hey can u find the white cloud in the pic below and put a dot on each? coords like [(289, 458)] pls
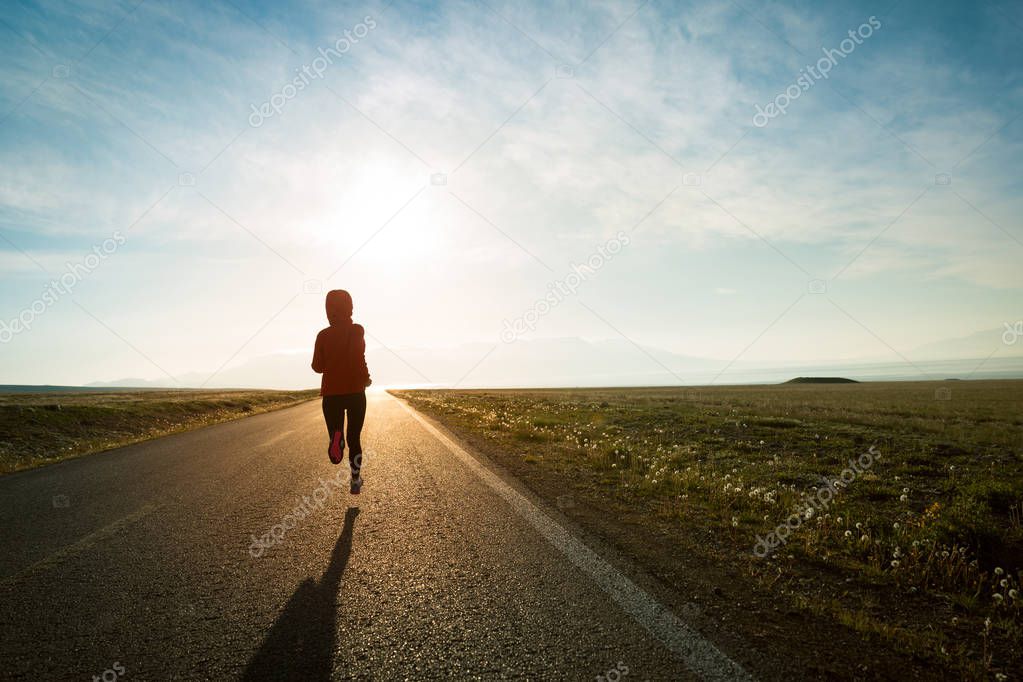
[(557, 174)]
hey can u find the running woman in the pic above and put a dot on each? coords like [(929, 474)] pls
[(340, 356)]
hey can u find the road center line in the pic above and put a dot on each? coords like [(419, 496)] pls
[(699, 654), (85, 543), (278, 438)]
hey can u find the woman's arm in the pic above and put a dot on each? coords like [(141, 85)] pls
[(360, 356), (319, 361)]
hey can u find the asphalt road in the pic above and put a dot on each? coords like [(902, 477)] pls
[(140, 563)]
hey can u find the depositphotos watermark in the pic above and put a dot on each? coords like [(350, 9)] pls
[(815, 503), (1012, 333), (562, 288), (314, 69), (111, 674), (614, 674), (809, 75), (307, 504), (61, 286)]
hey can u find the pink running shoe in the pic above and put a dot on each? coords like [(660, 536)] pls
[(336, 451)]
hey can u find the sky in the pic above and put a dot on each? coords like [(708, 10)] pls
[(181, 182)]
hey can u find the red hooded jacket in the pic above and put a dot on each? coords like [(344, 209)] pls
[(340, 351)]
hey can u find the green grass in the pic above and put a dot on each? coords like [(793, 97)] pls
[(42, 428), (930, 530)]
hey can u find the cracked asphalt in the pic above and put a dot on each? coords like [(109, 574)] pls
[(143, 558)]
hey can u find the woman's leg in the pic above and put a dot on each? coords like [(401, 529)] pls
[(333, 414), (356, 418)]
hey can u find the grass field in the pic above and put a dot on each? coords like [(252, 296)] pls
[(41, 428), (895, 508)]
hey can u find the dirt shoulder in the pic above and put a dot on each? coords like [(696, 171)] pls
[(37, 429), (810, 611)]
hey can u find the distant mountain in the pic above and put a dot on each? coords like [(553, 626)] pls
[(573, 361), (130, 383), (45, 388), (544, 362), (978, 345), (821, 380)]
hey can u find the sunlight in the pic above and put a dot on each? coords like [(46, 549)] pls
[(369, 202)]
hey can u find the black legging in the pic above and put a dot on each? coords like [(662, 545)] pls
[(334, 408)]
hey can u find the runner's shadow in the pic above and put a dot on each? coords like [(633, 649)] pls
[(300, 644)]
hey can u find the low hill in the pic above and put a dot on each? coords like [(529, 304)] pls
[(821, 380)]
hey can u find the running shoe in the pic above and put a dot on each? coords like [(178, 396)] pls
[(336, 451)]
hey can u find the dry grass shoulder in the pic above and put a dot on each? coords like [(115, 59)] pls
[(42, 428), (902, 501)]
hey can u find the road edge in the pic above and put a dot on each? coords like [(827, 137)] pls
[(129, 443), (697, 652)]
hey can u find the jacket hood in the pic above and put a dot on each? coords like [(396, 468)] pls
[(339, 307)]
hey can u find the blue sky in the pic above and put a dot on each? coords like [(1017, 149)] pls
[(895, 181)]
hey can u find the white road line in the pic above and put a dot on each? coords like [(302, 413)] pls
[(699, 655), (85, 543), (278, 438)]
